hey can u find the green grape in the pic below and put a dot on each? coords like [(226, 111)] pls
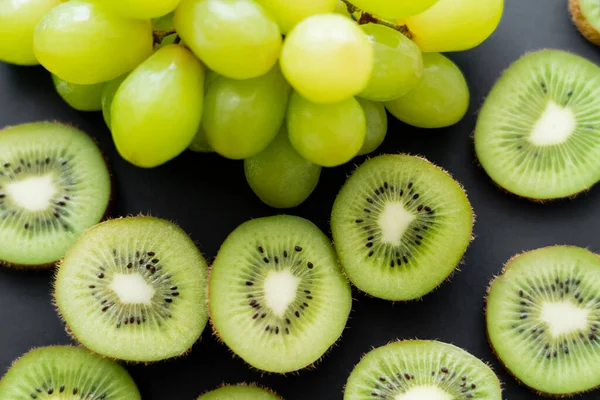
[(395, 9), (398, 64), (157, 109), (327, 58), (326, 134), (80, 97), (200, 143), (279, 176), (341, 8), (288, 13), (163, 23), (440, 99), (84, 43), (18, 20), (241, 117), (377, 124), (142, 9), (236, 38), (455, 25), (108, 94)]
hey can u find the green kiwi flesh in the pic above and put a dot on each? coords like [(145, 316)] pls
[(66, 373), (538, 132), (421, 370), (54, 184), (586, 16), (240, 392), (543, 319), (400, 226), (134, 289), (277, 295)]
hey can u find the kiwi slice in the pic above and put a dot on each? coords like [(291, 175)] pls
[(543, 319), (54, 183), (421, 370), (586, 16), (277, 295), (240, 392), (134, 289), (400, 225), (538, 132), (66, 373)]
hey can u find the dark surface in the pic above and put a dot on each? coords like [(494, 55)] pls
[(210, 205)]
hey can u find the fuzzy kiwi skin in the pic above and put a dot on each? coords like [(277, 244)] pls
[(108, 212), (582, 24), (456, 270), (505, 267), (252, 385)]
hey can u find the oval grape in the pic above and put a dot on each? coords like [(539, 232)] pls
[(18, 20), (326, 134), (157, 109), (394, 9), (440, 99), (235, 38), (377, 124), (288, 13), (80, 97), (398, 64), (279, 176), (108, 94), (142, 9), (84, 43), (455, 25), (327, 58), (241, 117)]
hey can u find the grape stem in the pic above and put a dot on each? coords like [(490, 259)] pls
[(159, 36), (367, 18)]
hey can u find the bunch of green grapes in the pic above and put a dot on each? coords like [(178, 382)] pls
[(288, 86)]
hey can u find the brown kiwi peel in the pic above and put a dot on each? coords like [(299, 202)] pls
[(582, 24), (246, 384)]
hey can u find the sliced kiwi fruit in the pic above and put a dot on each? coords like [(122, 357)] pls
[(277, 295), (538, 132), (421, 370), (66, 373), (543, 319), (240, 392), (400, 225), (134, 289), (54, 183), (586, 16)]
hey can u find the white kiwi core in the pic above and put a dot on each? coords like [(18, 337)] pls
[(280, 290), (33, 193), (554, 126), (564, 317), (424, 393), (132, 289), (393, 222)]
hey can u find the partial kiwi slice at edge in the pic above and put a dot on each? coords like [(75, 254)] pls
[(277, 295), (134, 289), (54, 184), (586, 16), (400, 225), (543, 319), (538, 132), (240, 392), (421, 370), (66, 372)]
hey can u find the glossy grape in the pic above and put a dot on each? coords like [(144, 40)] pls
[(108, 94), (440, 99), (398, 64), (18, 19), (235, 38), (84, 43), (142, 9), (377, 124), (280, 176), (241, 117), (80, 97), (200, 143), (326, 134), (157, 109), (288, 13), (455, 25), (394, 9), (327, 58)]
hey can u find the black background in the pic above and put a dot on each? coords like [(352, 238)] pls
[(208, 196)]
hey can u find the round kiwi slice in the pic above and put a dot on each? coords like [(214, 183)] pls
[(400, 225), (421, 370), (54, 183), (66, 373), (538, 132), (543, 319), (134, 289), (586, 16), (277, 295), (240, 392)]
